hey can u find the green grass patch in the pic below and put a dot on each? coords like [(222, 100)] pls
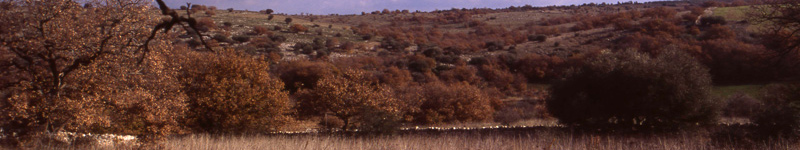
[(732, 13), (726, 91)]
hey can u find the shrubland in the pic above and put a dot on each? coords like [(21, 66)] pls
[(633, 67)]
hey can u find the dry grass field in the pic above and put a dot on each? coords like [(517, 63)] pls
[(458, 141)]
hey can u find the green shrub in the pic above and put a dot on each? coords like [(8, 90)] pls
[(780, 115), (241, 38), (223, 38), (712, 20), (740, 105), (632, 90), (537, 38)]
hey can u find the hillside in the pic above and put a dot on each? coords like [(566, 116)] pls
[(697, 74)]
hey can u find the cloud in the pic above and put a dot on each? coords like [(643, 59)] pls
[(358, 6)]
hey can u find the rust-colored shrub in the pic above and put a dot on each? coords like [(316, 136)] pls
[(731, 61), (233, 94), (205, 24), (496, 76), (455, 102), (717, 32), (211, 12), (352, 99), (261, 30), (660, 13), (296, 28), (419, 63), (659, 28), (396, 77), (540, 68), (266, 43), (461, 73), (197, 7)]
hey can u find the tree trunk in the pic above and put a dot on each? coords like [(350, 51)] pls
[(346, 123)]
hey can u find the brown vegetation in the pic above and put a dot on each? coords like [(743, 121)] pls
[(72, 70), (631, 90), (351, 98), (298, 28), (232, 94), (108, 68)]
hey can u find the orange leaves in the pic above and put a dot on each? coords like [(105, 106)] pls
[(231, 93), (75, 59), (347, 96), (261, 30), (298, 28), (453, 102)]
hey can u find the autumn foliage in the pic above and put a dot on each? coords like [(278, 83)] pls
[(231, 93), (455, 102), (111, 67), (74, 70), (351, 98)]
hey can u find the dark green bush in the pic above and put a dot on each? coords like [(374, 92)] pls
[(740, 105), (537, 38), (241, 38), (712, 20), (222, 38), (633, 90), (780, 115)]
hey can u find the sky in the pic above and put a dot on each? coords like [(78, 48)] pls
[(357, 6)]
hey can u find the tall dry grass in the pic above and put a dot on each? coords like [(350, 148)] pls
[(459, 141)]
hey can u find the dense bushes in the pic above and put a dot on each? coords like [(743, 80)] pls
[(233, 94), (303, 74), (741, 105), (712, 20), (537, 38), (456, 102), (629, 89), (734, 62), (351, 98), (780, 115), (776, 116)]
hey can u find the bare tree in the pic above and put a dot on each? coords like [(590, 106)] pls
[(781, 20)]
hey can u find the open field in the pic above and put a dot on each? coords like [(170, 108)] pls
[(733, 13), (532, 138), (728, 90)]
